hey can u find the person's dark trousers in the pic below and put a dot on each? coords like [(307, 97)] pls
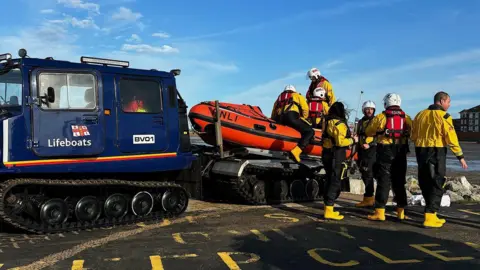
[(366, 160), (333, 161), (390, 171), (431, 175), (292, 119)]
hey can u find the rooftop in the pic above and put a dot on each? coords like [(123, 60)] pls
[(473, 109)]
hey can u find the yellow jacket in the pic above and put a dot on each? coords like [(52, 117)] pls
[(433, 127), (361, 128), (299, 104), (377, 125), (339, 132)]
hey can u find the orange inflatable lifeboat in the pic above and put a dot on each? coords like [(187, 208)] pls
[(247, 126)]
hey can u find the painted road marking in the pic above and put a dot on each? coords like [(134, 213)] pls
[(436, 253), (112, 259), (68, 253), (77, 265), (386, 259), (157, 264), (260, 236), (316, 256), (179, 239), (232, 264), (287, 236), (282, 217), (469, 212), (477, 246), (343, 232)]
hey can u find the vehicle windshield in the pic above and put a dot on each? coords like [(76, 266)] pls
[(11, 88)]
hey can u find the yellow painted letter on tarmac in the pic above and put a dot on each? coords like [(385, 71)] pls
[(469, 212), (282, 217), (314, 254), (436, 253), (232, 264), (156, 261), (77, 265), (179, 239), (386, 259), (261, 236)]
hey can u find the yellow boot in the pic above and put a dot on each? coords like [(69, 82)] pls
[(431, 221), (401, 214), (295, 152), (439, 220), (330, 214), (367, 201), (378, 215)]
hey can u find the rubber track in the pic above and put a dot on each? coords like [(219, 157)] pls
[(244, 195), (130, 218)]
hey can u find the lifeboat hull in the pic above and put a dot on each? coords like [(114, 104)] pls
[(247, 126)]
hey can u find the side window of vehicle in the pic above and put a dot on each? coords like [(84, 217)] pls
[(73, 91), (140, 96)]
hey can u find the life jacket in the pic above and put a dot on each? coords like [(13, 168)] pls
[(325, 134), (285, 102), (284, 99), (363, 127), (315, 108), (134, 106), (395, 126), (313, 86)]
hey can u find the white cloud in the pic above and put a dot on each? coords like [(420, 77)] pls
[(125, 14), (161, 35), (81, 5), (134, 38), (145, 48), (49, 39), (87, 23), (47, 11)]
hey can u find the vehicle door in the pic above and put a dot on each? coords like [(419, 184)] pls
[(67, 115), (140, 115)]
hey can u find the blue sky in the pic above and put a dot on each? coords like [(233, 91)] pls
[(241, 52)]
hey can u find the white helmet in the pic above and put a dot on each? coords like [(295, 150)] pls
[(368, 104), (319, 92), (290, 88), (314, 72), (392, 99)]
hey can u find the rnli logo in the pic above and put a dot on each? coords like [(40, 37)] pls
[(80, 131)]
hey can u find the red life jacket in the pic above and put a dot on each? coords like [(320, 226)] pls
[(284, 99), (395, 126), (315, 108)]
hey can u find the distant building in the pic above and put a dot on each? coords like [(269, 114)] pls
[(470, 120)]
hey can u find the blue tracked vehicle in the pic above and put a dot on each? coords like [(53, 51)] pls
[(90, 144)]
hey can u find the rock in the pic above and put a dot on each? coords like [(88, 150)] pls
[(357, 186), (412, 186), (409, 195), (474, 198), (465, 183), (454, 197), (460, 186)]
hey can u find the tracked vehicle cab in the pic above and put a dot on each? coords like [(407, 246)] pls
[(86, 136)]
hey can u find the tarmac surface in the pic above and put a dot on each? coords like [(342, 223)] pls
[(288, 236)]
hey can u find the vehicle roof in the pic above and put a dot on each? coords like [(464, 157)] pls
[(61, 64)]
